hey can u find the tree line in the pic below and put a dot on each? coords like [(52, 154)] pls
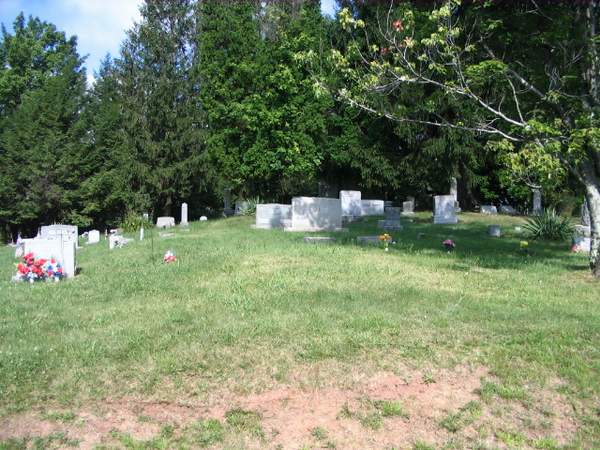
[(209, 95)]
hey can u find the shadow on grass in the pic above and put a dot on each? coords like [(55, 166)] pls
[(474, 247)]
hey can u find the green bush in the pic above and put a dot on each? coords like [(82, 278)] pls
[(249, 208), (549, 226), (133, 222)]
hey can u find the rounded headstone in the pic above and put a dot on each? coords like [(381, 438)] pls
[(203, 219)]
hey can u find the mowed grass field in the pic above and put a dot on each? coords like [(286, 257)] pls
[(255, 339)]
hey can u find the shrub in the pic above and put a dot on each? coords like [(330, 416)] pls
[(133, 222), (249, 207), (550, 226)]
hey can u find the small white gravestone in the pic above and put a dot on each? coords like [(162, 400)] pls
[(203, 219), (489, 210), (93, 237), (63, 251), (165, 222), (272, 215), (142, 233), (351, 203), (444, 210), (146, 216), (184, 214), (408, 208), (495, 230), (116, 240), (372, 207)]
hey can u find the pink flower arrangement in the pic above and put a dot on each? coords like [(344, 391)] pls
[(32, 269), (169, 257), (449, 244)]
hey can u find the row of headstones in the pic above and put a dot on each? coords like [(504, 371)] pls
[(328, 214)]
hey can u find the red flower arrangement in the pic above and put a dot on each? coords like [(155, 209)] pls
[(32, 269)]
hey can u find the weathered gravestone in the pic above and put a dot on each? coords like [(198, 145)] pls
[(351, 203), (315, 214), (63, 251), (444, 210), (489, 210), (93, 236), (495, 230), (454, 193), (184, 215), (408, 207), (165, 222), (369, 240), (509, 210), (393, 213), (585, 214), (537, 202), (272, 215), (319, 239)]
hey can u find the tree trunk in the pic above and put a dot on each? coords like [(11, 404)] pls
[(593, 199)]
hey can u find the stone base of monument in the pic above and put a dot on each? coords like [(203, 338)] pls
[(389, 225), (445, 220), (319, 239), (368, 240)]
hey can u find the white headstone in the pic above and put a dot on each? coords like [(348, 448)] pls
[(63, 251), (165, 222), (93, 237), (272, 215), (184, 214), (489, 210), (372, 207), (351, 203), (142, 233), (203, 219), (315, 214), (444, 210), (537, 202)]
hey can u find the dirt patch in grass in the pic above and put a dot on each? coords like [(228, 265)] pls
[(379, 411)]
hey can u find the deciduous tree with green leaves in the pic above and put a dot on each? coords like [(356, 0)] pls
[(524, 75)]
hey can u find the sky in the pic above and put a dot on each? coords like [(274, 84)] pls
[(99, 25)]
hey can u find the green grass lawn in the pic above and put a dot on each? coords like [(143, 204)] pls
[(244, 311)]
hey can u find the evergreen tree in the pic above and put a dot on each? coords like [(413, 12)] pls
[(42, 92), (162, 122)]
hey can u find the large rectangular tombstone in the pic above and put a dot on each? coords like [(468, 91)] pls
[(316, 214), (272, 215), (372, 207), (351, 203), (63, 251), (444, 210)]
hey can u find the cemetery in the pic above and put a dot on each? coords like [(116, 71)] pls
[(296, 225)]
